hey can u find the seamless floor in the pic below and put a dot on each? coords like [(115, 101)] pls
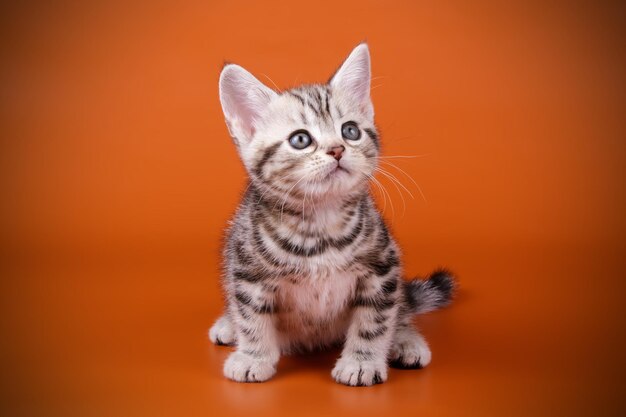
[(130, 339)]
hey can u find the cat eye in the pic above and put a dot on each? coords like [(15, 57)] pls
[(350, 131), (300, 139)]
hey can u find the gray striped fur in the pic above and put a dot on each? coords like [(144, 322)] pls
[(308, 261)]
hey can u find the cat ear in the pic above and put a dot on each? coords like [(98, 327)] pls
[(243, 100), (354, 75)]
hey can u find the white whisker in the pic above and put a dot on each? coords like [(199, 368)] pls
[(393, 178), (389, 176), (380, 189), (404, 156), (287, 195), (272, 81), (385, 196), (411, 178), (283, 177)]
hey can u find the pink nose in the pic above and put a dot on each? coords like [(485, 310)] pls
[(336, 152)]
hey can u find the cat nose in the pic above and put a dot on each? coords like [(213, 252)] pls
[(336, 151)]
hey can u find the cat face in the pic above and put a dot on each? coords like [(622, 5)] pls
[(315, 141)]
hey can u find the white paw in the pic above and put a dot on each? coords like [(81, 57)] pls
[(245, 368), (222, 332), (410, 354), (349, 371)]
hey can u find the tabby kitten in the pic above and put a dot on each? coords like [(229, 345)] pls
[(308, 260)]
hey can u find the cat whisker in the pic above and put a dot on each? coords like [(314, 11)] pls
[(247, 187), (295, 80), (394, 179), (380, 189), (314, 205), (282, 208), (395, 182), (397, 139), (404, 156), (377, 157), (385, 195), (382, 192), (281, 178), (304, 200), (368, 178), (364, 82), (411, 178), (272, 81)]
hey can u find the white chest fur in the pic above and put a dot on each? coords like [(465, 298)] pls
[(320, 296), (313, 310)]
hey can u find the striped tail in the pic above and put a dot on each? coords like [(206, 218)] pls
[(436, 291)]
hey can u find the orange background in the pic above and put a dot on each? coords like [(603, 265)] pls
[(117, 177)]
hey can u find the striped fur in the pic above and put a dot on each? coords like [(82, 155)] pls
[(309, 262)]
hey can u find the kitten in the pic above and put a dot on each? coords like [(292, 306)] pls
[(308, 261)]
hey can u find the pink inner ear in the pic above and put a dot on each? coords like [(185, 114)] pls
[(236, 103), (243, 100), (354, 75)]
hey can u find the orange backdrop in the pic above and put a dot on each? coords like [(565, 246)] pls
[(117, 177)]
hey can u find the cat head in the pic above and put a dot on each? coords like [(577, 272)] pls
[(315, 140)]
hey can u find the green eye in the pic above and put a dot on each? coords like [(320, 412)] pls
[(350, 131), (300, 139)]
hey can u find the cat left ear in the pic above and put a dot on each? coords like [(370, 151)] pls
[(354, 75), (243, 99)]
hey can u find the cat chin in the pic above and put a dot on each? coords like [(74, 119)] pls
[(338, 188)]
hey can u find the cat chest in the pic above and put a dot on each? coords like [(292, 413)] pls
[(318, 297)]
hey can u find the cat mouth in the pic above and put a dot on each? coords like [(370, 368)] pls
[(337, 171)]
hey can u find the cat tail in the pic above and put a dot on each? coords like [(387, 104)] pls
[(436, 291)]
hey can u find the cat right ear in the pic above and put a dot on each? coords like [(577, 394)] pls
[(243, 99), (354, 78)]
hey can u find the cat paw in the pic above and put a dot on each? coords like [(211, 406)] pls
[(410, 355), (349, 371), (245, 368), (222, 332)]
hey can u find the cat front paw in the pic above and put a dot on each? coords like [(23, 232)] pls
[(222, 332), (241, 367), (412, 354), (356, 373)]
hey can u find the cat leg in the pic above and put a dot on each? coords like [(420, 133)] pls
[(409, 349), (258, 351), (363, 361), (223, 331)]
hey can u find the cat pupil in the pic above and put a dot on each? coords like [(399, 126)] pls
[(350, 131), (300, 140)]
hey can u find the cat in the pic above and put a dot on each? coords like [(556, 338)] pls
[(308, 260)]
